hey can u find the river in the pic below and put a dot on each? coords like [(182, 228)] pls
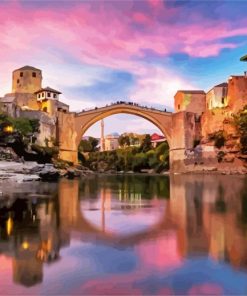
[(127, 235)]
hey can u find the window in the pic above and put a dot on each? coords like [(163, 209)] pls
[(43, 94), (223, 101), (48, 94), (21, 74), (34, 74), (178, 106), (38, 95), (54, 96), (18, 80)]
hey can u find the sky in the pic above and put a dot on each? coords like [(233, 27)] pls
[(98, 52)]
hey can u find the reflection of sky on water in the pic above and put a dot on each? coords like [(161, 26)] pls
[(124, 222), (138, 251)]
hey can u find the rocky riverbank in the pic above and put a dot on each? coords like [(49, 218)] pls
[(32, 171)]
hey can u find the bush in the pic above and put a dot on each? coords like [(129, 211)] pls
[(220, 156), (241, 124), (218, 138)]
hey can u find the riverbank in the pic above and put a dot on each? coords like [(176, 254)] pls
[(32, 171)]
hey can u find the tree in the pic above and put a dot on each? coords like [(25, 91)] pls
[(89, 145), (124, 140), (94, 143), (146, 144), (22, 125)]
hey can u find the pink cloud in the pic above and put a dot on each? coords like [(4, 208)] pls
[(105, 35)]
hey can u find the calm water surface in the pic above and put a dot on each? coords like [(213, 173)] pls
[(125, 235)]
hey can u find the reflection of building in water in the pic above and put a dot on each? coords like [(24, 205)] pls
[(186, 208), (207, 210), (128, 192), (27, 271), (30, 238)]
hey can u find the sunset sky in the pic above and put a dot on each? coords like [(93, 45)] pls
[(98, 52)]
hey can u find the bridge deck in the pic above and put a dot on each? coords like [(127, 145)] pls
[(123, 105)]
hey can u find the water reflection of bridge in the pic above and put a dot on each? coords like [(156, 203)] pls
[(207, 214), (72, 218)]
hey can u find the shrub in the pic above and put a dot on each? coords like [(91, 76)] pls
[(241, 123), (218, 138), (220, 156)]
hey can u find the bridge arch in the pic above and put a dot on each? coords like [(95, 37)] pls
[(162, 120), (72, 126)]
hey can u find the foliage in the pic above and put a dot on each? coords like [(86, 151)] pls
[(124, 140), (218, 138), (24, 126), (220, 156), (45, 154), (130, 158), (146, 144), (241, 124), (89, 145)]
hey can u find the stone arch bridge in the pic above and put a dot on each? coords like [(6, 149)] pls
[(179, 128)]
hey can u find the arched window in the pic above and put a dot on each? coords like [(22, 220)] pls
[(223, 101)]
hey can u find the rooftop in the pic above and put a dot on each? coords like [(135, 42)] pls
[(48, 89), (224, 84), (192, 91), (27, 68)]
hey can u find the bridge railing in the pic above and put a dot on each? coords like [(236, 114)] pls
[(125, 103)]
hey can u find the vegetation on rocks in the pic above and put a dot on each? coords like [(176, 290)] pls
[(241, 124), (218, 138)]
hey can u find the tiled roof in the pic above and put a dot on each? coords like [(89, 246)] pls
[(27, 68), (192, 91), (48, 89), (61, 104), (8, 99), (224, 84)]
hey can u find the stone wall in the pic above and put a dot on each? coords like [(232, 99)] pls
[(24, 82), (218, 119), (67, 137), (47, 126), (190, 101), (237, 93), (184, 132)]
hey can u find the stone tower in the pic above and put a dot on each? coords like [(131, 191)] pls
[(26, 80), (102, 138)]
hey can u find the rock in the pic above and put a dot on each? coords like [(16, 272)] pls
[(29, 178), (49, 173), (71, 174)]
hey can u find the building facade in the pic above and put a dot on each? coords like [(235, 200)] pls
[(29, 99)]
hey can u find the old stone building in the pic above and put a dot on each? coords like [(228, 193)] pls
[(190, 101), (28, 99), (217, 96)]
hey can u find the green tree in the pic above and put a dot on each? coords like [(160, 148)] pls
[(146, 144), (89, 145), (124, 140), (241, 124), (22, 125)]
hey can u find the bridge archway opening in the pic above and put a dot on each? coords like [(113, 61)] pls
[(123, 123), (157, 125)]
